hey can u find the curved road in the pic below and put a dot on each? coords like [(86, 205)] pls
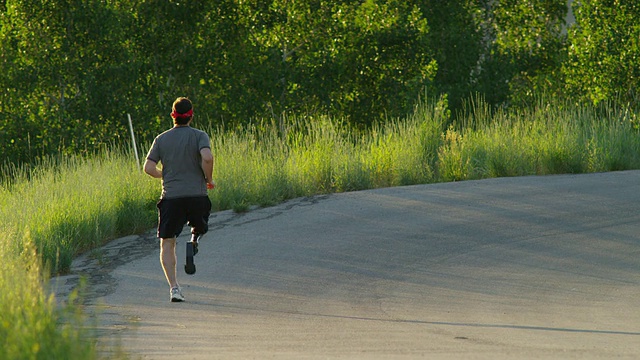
[(527, 268)]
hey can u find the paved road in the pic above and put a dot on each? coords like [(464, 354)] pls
[(512, 268)]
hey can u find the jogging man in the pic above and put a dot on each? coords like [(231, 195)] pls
[(187, 169)]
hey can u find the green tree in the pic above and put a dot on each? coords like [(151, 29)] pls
[(165, 47), (238, 80), (529, 36), (71, 70), (362, 60), (387, 59), (604, 57), (456, 37), (201, 49), (505, 51), (64, 72)]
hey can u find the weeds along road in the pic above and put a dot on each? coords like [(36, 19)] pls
[(530, 267)]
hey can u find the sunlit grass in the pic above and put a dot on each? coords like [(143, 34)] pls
[(316, 154), (77, 204), (32, 324), (548, 139)]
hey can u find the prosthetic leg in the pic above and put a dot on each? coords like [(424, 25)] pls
[(192, 250)]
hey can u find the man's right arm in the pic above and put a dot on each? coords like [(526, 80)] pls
[(151, 168)]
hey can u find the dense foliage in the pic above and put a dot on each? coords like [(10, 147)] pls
[(71, 70)]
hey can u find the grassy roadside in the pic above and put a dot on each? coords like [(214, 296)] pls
[(547, 139), (69, 206), (32, 324)]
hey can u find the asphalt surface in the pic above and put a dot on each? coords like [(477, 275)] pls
[(510, 268)]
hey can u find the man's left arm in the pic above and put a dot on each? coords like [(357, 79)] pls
[(207, 165)]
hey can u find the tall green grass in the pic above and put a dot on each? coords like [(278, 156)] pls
[(67, 206), (32, 324), (548, 139), (74, 204), (264, 165)]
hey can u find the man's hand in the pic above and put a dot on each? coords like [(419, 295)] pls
[(211, 185)]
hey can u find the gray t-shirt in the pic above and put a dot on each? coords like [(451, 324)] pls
[(179, 151)]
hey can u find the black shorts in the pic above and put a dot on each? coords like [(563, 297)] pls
[(173, 214)]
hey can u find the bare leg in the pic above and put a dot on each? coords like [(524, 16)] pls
[(168, 259)]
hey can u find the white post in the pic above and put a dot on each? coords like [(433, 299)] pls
[(133, 139)]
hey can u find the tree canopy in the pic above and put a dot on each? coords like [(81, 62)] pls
[(72, 69)]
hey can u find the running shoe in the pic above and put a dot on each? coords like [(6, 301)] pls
[(176, 295)]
